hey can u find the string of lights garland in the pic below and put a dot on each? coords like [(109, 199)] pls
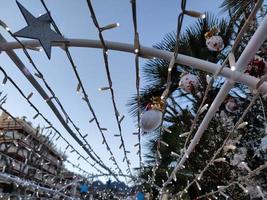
[(60, 136), (241, 63), (50, 126), (25, 164), (166, 91), (41, 76), (38, 153), (238, 182), (137, 83), (44, 174), (89, 175), (8, 196), (110, 88), (48, 99), (239, 124), (20, 181), (85, 95)]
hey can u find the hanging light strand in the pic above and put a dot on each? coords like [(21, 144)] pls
[(32, 184), (50, 126), (54, 97), (105, 57), (166, 92), (85, 95), (137, 76), (86, 147)]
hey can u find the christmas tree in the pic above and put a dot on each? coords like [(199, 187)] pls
[(236, 170)]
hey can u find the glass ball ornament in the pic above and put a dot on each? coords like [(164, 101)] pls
[(215, 43), (189, 82), (151, 120)]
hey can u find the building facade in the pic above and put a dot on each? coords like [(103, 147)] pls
[(28, 155)]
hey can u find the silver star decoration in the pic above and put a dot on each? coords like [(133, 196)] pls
[(39, 28)]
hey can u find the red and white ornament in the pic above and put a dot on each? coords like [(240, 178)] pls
[(189, 83), (215, 43)]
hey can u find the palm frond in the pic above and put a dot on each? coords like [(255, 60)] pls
[(237, 7)]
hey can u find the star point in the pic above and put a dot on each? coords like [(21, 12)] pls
[(39, 28)]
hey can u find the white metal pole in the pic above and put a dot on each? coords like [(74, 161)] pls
[(254, 44), (147, 52)]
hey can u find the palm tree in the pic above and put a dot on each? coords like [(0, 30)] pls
[(178, 116)]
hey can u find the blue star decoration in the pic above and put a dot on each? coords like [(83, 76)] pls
[(39, 28), (84, 188)]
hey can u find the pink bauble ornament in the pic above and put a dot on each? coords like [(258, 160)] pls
[(215, 43), (189, 83), (151, 120)]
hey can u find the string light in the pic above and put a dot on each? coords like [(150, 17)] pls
[(196, 14), (45, 119), (184, 134), (104, 88), (231, 59), (30, 95), (4, 80), (242, 125), (110, 26), (105, 57), (48, 99)]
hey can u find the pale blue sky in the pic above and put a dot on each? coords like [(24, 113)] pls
[(155, 19)]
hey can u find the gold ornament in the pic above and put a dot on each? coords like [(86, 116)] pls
[(213, 31), (157, 104)]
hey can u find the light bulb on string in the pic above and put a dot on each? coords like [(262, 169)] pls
[(110, 26), (184, 134), (243, 188), (233, 68), (104, 88), (242, 125), (4, 80), (3, 24), (195, 14)]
